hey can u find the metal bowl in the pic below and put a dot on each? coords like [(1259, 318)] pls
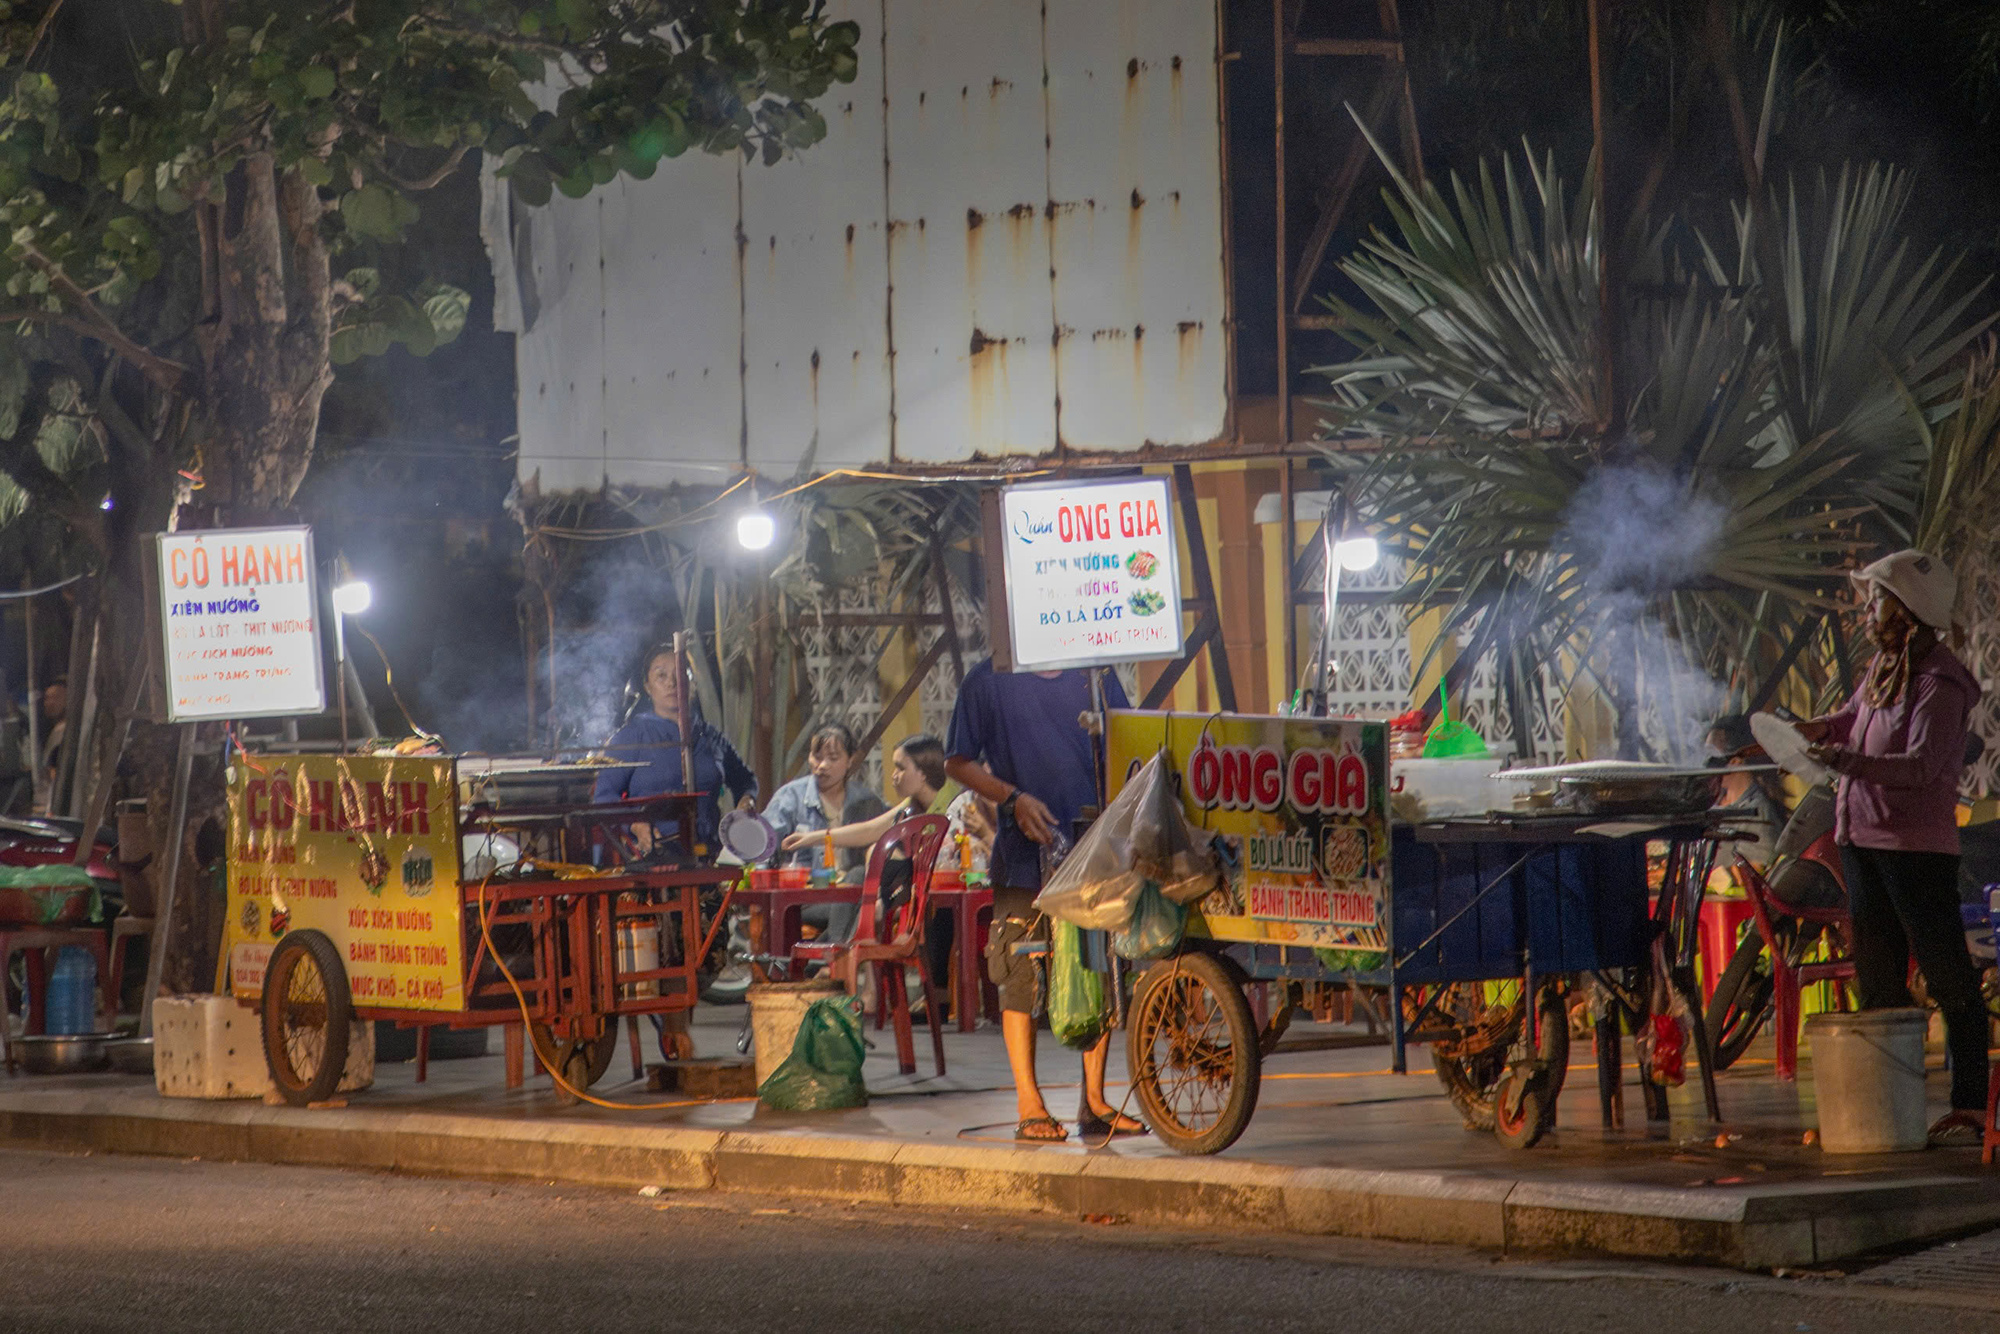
[(62, 1053), (1665, 794), (131, 1056)]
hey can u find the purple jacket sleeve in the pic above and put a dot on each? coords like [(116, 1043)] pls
[(1936, 742), (1840, 723)]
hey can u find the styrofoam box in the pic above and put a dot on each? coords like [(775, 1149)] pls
[(213, 1047)]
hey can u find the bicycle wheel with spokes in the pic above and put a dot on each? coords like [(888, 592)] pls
[(308, 1016), (1192, 1049), (1472, 1036)]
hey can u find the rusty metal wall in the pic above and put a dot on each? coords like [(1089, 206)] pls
[(1009, 242)]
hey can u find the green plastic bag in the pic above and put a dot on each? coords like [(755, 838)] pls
[(47, 895), (823, 1072), (1078, 1011), (1155, 929)]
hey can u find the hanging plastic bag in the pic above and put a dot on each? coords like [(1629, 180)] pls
[(1155, 929), (823, 1072), (1078, 1010), (1662, 1039), (1142, 836)]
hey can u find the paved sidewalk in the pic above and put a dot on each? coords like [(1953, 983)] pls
[(1338, 1146)]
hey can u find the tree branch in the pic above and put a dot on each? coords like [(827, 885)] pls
[(163, 371), (432, 180)]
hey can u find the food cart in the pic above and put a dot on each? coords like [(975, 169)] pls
[(1478, 928), (381, 888)]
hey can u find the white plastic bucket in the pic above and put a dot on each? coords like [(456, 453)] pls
[(1868, 1080), (776, 1010)]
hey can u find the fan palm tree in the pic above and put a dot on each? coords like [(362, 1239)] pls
[(1780, 387)]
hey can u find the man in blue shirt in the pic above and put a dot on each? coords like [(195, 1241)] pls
[(1020, 741)]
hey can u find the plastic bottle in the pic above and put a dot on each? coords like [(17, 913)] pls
[(72, 992)]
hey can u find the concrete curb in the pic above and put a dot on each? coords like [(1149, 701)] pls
[(1796, 1224)]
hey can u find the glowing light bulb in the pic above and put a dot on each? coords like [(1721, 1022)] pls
[(1357, 553), (756, 530), (352, 598)]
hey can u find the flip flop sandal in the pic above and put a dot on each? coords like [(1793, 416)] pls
[(1024, 1132), (1122, 1127), (1957, 1130)]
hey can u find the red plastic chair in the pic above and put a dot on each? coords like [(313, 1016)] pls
[(1788, 980), (896, 944)]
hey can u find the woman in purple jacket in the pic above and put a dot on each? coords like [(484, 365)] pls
[(1898, 745)]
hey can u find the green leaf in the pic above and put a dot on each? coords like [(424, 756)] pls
[(317, 82), (446, 308)]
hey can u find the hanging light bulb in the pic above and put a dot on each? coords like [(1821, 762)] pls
[(1357, 553), (756, 530)]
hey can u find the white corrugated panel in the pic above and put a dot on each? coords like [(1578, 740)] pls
[(559, 365), (673, 387), (1009, 240), (815, 298), (968, 245), (1136, 225)]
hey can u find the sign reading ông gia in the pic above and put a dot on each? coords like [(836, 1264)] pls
[(239, 612), (1091, 571), (1303, 804), (363, 850)]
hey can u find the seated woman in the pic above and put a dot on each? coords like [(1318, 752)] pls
[(916, 768), (813, 804)]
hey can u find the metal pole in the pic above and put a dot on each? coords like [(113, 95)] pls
[(1280, 40), (34, 711), (85, 723), (176, 849), (340, 669)]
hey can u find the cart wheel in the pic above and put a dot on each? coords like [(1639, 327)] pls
[(308, 1014), (582, 1063), (603, 1051), (1472, 1064), (1192, 1049), (1524, 1106)]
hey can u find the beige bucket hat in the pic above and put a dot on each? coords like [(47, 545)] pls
[(1920, 581)]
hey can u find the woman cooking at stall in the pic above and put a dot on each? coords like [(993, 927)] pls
[(820, 800), (652, 738), (1898, 746)]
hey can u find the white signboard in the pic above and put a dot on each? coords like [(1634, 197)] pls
[(1092, 575), (240, 614)]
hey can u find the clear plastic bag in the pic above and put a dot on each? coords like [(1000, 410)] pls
[(1155, 929), (823, 1072), (1142, 836), (1078, 1009)]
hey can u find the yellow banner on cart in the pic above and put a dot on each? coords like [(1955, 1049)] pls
[(1302, 805), (362, 849)]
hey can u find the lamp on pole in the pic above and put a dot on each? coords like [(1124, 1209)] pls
[(350, 598)]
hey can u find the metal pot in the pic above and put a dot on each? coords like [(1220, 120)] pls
[(1661, 794), (62, 1053), (134, 1056)]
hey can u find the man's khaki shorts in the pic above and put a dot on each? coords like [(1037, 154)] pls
[(1017, 977)]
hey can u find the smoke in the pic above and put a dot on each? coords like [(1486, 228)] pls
[(617, 609), (1636, 534)]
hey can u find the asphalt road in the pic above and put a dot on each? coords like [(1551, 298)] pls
[(125, 1244)]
